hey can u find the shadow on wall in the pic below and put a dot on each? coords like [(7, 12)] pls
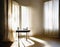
[(1, 36)]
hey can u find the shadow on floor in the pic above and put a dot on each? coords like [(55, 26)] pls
[(5, 44)]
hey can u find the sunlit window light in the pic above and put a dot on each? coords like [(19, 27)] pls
[(15, 19), (51, 14), (15, 16), (25, 17)]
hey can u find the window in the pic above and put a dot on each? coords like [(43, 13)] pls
[(25, 16), (51, 15), (15, 15), (15, 19), (20, 18)]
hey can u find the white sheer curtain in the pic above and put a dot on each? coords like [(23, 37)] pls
[(56, 14), (25, 18), (51, 15), (15, 19), (48, 15), (25, 13), (15, 16)]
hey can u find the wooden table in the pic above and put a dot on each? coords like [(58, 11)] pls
[(24, 31)]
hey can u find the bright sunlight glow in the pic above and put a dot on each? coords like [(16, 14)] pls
[(25, 16), (15, 16), (40, 41), (23, 42), (15, 19), (51, 15), (30, 42)]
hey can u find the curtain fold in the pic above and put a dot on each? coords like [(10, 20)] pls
[(51, 14), (10, 33), (13, 19), (51, 17)]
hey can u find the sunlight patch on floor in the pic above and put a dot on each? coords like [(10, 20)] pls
[(40, 41), (23, 43), (30, 42), (26, 43), (15, 44)]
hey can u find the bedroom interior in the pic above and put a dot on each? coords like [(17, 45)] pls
[(29, 23)]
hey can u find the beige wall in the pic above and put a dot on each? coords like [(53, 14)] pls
[(37, 17), (37, 14)]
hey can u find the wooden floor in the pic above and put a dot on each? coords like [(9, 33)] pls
[(33, 42), (38, 42)]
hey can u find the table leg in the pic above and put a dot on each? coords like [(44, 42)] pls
[(26, 36), (18, 40)]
